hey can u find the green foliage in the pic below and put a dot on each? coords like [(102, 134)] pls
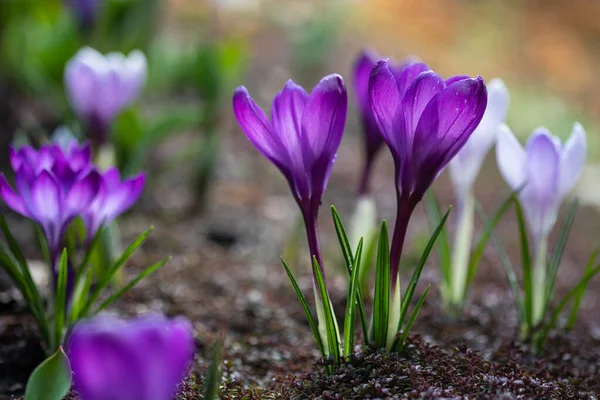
[(51, 380), (213, 377)]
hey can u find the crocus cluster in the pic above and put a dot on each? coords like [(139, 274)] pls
[(57, 184), (140, 359), (99, 87)]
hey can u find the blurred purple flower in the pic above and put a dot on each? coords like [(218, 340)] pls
[(301, 139), (465, 166), (425, 120), (54, 185), (373, 140), (100, 86), (547, 169), (141, 359), (114, 198), (85, 11)]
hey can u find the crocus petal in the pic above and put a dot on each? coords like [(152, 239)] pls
[(385, 100), (13, 200), (362, 70), (572, 159), (259, 131), (82, 193), (406, 74), (445, 125), (511, 158), (121, 198), (46, 197), (81, 85)]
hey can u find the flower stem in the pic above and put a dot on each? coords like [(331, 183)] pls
[(312, 234), (539, 281), (461, 252), (406, 206)]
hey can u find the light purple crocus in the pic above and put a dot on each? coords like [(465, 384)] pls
[(99, 87), (301, 139), (53, 186), (425, 120), (114, 198), (140, 359), (547, 170)]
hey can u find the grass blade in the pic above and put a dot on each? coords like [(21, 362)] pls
[(88, 254), (414, 279), (399, 345), (349, 261), (574, 292), (381, 298), (559, 250), (333, 336), (131, 284), (434, 216), (351, 303), (579, 296), (213, 376), (12, 243), (486, 234), (525, 264), (506, 265), (309, 317), (60, 300)]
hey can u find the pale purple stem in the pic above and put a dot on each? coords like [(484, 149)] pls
[(406, 206)]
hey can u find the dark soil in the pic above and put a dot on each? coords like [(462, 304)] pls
[(226, 278)]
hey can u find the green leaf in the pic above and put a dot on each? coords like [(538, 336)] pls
[(83, 267), (213, 376), (381, 298), (351, 302), (114, 269), (414, 279), (60, 299), (399, 345), (579, 296), (525, 264), (309, 316), (333, 336), (490, 225), (507, 266), (434, 216), (574, 292), (132, 283), (349, 261), (51, 380), (558, 251), (12, 243)]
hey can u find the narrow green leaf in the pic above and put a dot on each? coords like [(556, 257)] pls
[(306, 308), (213, 376), (559, 250), (434, 216), (114, 269), (349, 261), (41, 239), (574, 292), (507, 266), (12, 243), (399, 345), (351, 303), (490, 225), (579, 296), (51, 380), (414, 279), (83, 267), (381, 298), (525, 264), (333, 336), (131, 284), (80, 296), (60, 299)]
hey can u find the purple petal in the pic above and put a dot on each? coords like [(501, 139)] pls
[(572, 160), (81, 84), (511, 158), (259, 131), (457, 78), (12, 199), (122, 197), (46, 207), (82, 193), (362, 70), (445, 125), (406, 74), (109, 94), (385, 101)]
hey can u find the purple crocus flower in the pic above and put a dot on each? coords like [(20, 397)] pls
[(100, 86), (85, 11), (547, 169), (373, 140), (425, 120), (114, 198), (140, 359), (301, 139), (53, 186)]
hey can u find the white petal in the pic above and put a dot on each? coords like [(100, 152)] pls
[(572, 159), (511, 157)]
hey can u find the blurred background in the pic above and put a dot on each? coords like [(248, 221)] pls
[(198, 51)]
